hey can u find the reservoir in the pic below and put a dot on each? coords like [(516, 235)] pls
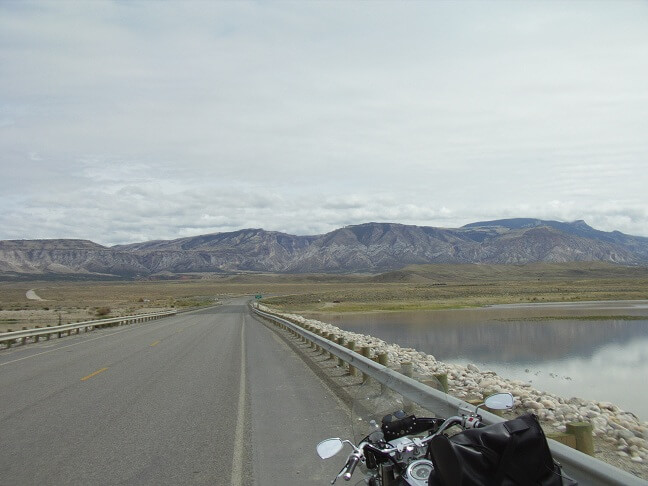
[(594, 350)]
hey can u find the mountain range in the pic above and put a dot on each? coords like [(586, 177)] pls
[(370, 247)]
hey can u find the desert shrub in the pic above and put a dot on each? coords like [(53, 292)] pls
[(102, 311)]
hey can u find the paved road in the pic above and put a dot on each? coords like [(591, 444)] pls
[(212, 397)]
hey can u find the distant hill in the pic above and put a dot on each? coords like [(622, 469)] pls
[(370, 248)]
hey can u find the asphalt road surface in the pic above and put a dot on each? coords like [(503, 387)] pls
[(211, 397)]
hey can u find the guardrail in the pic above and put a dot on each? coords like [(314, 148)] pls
[(9, 338), (585, 469)]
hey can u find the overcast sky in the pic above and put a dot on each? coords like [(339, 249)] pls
[(129, 121)]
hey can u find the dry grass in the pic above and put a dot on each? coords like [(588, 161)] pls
[(413, 288), (429, 287)]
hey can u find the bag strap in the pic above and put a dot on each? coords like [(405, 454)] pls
[(506, 466), (507, 455)]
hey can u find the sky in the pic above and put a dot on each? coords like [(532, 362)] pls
[(126, 121)]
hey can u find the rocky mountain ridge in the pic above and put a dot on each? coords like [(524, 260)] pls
[(370, 247)]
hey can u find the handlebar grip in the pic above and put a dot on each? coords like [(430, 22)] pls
[(472, 422), (353, 462)]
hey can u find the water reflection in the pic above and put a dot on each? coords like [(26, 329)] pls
[(594, 359)]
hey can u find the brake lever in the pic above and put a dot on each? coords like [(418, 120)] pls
[(339, 474), (342, 471)]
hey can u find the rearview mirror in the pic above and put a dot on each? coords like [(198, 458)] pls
[(329, 447), (499, 401)]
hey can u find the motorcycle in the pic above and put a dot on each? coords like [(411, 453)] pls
[(406, 449)]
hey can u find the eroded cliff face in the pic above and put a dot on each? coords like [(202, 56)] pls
[(66, 257), (372, 247)]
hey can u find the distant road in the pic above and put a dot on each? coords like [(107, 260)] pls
[(32, 295), (211, 397), (585, 304)]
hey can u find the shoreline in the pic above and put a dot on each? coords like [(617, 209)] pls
[(621, 437), (627, 310)]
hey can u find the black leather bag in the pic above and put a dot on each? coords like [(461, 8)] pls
[(509, 453)]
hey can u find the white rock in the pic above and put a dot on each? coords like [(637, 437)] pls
[(624, 434), (639, 442), (548, 404), (533, 405), (600, 423)]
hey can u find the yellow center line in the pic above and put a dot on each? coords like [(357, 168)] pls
[(155, 343), (93, 374)]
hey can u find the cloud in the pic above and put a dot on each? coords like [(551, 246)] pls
[(122, 121)]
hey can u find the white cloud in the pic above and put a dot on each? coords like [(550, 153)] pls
[(132, 121)]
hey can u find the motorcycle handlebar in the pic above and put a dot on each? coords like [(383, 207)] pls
[(351, 465), (354, 458)]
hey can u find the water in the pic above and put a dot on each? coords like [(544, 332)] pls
[(602, 359)]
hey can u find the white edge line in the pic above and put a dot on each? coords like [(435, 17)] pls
[(237, 459)]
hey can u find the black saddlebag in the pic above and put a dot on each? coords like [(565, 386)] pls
[(509, 453)]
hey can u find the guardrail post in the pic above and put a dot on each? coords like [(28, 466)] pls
[(583, 433), (366, 352), (442, 378), (331, 337), (340, 341), (36, 338), (311, 343), (351, 346), (407, 369), (383, 359), (9, 340), (563, 438), (23, 340)]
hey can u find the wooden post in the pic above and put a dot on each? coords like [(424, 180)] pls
[(351, 346), (383, 359), (407, 369), (366, 352), (583, 433), (23, 340), (340, 341), (36, 338), (333, 338), (442, 378), (9, 342), (564, 438)]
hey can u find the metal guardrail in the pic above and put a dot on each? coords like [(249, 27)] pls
[(585, 469), (9, 338)]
